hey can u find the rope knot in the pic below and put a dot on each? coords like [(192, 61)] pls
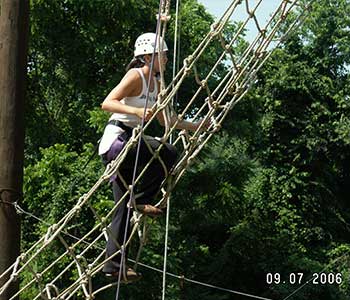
[(14, 276), (18, 209), (214, 29), (163, 17), (187, 61)]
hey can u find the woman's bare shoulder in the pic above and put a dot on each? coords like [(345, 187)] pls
[(133, 81), (132, 74)]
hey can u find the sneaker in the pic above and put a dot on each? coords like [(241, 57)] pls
[(149, 210), (130, 276)]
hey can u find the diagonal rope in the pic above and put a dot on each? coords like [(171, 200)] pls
[(132, 199), (180, 277), (52, 286), (222, 98), (183, 278), (331, 263)]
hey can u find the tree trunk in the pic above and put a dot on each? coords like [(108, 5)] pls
[(14, 19)]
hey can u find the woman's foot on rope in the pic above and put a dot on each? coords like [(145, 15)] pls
[(149, 210), (130, 276)]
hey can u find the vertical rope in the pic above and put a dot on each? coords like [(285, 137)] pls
[(166, 247), (175, 57), (131, 199), (233, 86), (175, 61)]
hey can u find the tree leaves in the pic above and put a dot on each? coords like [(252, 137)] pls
[(270, 193)]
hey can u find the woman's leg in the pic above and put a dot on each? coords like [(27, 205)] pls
[(145, 192), (155, 173), (119, 225), (117, 229)]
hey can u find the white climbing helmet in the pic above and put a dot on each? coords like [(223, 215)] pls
[(146, 42)]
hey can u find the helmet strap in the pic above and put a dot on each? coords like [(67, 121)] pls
[(141, 58)]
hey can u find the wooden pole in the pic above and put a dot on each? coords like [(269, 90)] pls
[(14, 20)]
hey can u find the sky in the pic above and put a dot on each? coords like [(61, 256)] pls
[(218, 7)]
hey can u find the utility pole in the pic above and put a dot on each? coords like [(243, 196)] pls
[(14, 30)]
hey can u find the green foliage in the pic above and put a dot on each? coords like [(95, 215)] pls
[(53, 185), (78, 52), (270, 193), (194, 24)]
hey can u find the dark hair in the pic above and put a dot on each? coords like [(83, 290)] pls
[(136, 62)]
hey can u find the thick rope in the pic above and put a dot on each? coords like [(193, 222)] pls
[(228, 92), (173, 104), (132, 199), (180, 277)]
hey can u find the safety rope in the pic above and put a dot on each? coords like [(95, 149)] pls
[(51, 286), (173, 104), (232, 87), (163, 8)]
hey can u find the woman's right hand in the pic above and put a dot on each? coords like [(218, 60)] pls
[(140, 110)]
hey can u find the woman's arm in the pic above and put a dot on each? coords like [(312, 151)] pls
[(182, 124), (129, 86)]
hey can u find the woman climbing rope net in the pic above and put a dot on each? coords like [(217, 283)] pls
[(131, 103)]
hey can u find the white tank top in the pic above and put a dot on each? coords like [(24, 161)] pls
[(111, 132)]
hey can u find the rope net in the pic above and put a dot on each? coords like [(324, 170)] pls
[(80, 259)]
